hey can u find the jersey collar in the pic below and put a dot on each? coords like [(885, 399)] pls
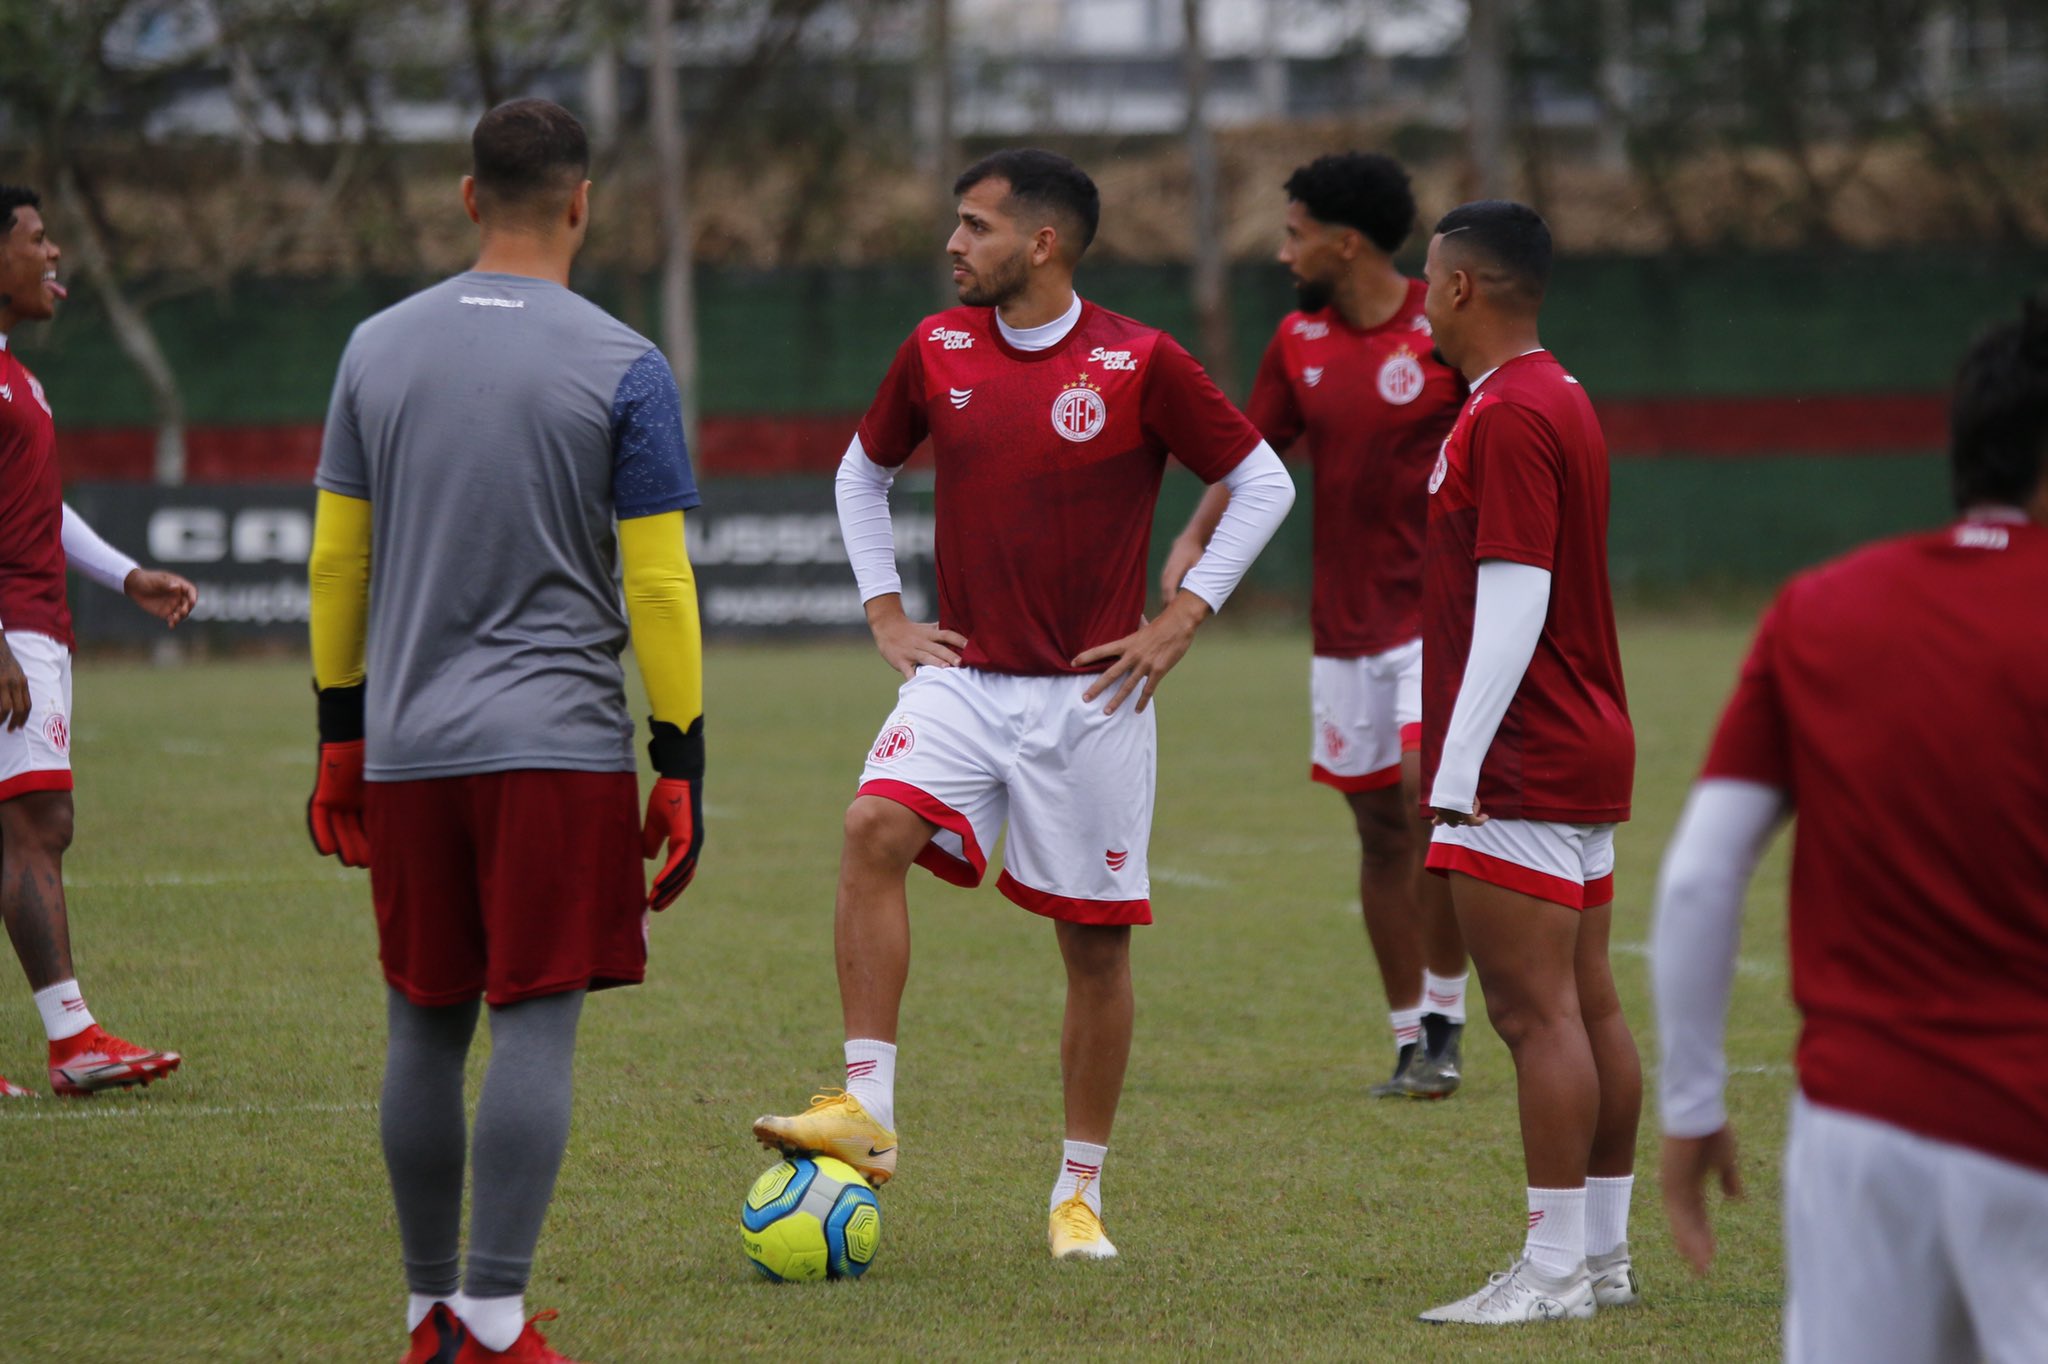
[(1501, 366)]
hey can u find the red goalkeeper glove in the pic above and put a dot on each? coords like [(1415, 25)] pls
[(675, 808), (334, 815)]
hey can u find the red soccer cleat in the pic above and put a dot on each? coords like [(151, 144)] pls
[(531, 1347), (436, 1339), (96, 1059), (10, 1090)]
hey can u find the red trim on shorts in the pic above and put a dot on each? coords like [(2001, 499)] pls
[(48, 779), (1599, 891), (1071, 909), (1498, 871), (1370, 781), (931, 856), (1411, 737)]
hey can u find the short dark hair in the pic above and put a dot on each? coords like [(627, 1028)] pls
[(1512, 237), (526, 151), (1361, 190), (1998, 419), (13, 197), (1044, 180)]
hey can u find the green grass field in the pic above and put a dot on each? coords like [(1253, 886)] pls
[(1265, 1207)]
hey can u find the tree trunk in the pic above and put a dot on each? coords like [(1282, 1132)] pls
[(937, 151), (1486, 97), (132, 332), (1211, 279), (671, 171)]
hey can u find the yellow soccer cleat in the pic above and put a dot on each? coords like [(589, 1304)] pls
[(834, 1125), (1076, 1233)]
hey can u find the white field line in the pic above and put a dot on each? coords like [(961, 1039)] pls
[(58, 1110), (162, 879), (1174, 876)]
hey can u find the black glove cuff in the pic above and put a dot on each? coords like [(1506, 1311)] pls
[(341, 713), (677, 754)]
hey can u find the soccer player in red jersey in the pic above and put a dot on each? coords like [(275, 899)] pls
[(1896, 699), (1025, 705), (38, 535), (1528, 756), (1353, 374)]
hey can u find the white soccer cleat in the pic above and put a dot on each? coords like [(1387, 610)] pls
[(1524, 1294), (1614, 1278), (1075, 1231)]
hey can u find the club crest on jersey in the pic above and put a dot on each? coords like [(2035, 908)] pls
[(1401, 377), (952, 340), (1443, 466), (1312, 376), (1311, 331), (896, 741), (1078, 413)]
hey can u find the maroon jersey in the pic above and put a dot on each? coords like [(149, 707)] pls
[(1375, 408), (1523, 477), (31, 509), (1899, 697), (1048, 466)]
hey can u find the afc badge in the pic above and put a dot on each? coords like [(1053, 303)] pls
[(896, 741), (1401, 377), (57, 730), (1078, 413), (1443, 466)]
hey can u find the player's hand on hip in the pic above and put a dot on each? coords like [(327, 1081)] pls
[(675, 809), (908, 645), (334, 815), (1184, 554), (14, 699), (1144, 658), (1686, 1166), (166, 596), (1440, 816)]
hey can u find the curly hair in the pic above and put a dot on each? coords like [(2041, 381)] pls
[(1998, 418), (1361, 190)]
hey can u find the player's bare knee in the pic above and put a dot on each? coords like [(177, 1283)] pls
[(1385, 837), (1516, 1017), (1096, 953), (882, 833), (40, 822)]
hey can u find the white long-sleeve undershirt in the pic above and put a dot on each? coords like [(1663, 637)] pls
[(861, 490), (1260, 495), (85, 551), (1508, 610), (1725, 827)]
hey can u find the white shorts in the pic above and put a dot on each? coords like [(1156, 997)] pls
[(971, 750), (1900, 1249), (1367, 713), (1570, 864), (37, 757)]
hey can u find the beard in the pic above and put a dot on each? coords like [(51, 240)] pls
[(998, 285), (1313, 295)]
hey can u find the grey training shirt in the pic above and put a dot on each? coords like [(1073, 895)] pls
[(499, 426)]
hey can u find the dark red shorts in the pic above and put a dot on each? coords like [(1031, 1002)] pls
[(509, 885)]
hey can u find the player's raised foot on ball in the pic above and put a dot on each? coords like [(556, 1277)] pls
[(1436, 1072), (437, 1339), (1075, 1231), (1614, 1278), (531, 1348), (1393, 1086), (834, 1125), (96, 1059), (10, 1090), (1524, 1294)]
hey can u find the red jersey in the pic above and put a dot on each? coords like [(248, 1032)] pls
[(1375, 408), (1899, 697), (31, 509), (1048, 465), (1523, 477)]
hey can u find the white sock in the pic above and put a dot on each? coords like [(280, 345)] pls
[(416, 1308), (1557, 1230), (1607, 1214), (1407, 1025), (1081, 1160), (871, 1077), (1445, 995), (63, 1009), (495, 1322)]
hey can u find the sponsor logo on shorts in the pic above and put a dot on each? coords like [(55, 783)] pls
[(1115, 860), (949, 339), (1333, 740), (1401, 377), (896, 741), (1078, 413), (58, 731)]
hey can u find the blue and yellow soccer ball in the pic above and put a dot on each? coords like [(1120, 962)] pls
[(808, 1218)]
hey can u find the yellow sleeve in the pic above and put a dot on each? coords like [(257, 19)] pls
[(338, 574), (661, 606)]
